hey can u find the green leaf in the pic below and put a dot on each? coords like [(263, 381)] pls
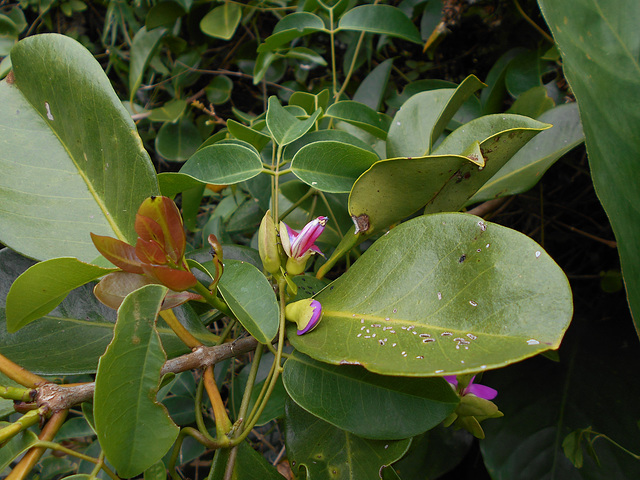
[(172, 183), (435, 453), (223, 164), (42, 287), (532, 103), (331, 166), (324, 451), (372, 89), (251, 299), (219, 90), (292, 26), (178, 141), (423, 118), (222, 21), (87, 172), (523, 73), (514, 132), (528, 165), (443, 294), (545, 401), (600, 49), (306, 56), (368, 405), (381, 19), (361, 116), (169, 112), (127, 381), (251, 464), (70, 339), (163, 14), (143, 48), (285, 127), (493, 96), (325, 135), (17, 445), (310, 102), (257, 139)]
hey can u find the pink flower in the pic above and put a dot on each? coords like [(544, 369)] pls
[(300, 245), (478, 390)]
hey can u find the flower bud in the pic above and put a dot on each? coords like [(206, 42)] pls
[(305, 313), (268, 245)]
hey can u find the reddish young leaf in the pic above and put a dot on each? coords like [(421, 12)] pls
[(113, 288), (150, 252), (121, 254), (149, 229), (177, 280), (164, 212)]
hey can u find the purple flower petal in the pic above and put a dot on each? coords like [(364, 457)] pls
[(315, 317), (481, 391), (452, 379), (307, 237)]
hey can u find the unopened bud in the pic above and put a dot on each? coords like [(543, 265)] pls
[(268, 245), (304, 313)]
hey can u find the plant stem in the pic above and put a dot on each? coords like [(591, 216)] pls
[(27, 420), (333, 55), (26, 464), (182, 333), (202, 428), (253, 373), (17, 393), (18, 374), (223, 424), (213, 300)]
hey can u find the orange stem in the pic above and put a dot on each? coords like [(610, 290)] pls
[(18, 374), (223, 424)]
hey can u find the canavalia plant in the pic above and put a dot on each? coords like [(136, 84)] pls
[(364, 305)]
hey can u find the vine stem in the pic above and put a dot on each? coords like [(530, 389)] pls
[(223, 424)]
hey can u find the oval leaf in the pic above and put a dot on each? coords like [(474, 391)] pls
[(441, 295), (378, 407), (292, 26), (361, 116), (222, 21), (331, 166), (382, 19), (250, 298), (124, 403), (527, 166), (43, 286), (79, 177), (321, 450), (285, 127), (178, 141), (223, 164)]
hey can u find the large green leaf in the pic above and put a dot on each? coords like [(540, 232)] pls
[(71, 159), (393, 189), (70, 339), (527, 166), (440, 295), (124, 403), (368, 405), (600, 45), (324, 451), (331, 166), (423, 118), (43, 286), (544, 401), (382, 19), (223, 164), (504, 135), (251, 299)]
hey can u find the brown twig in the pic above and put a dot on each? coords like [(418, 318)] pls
[(60, 397)]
